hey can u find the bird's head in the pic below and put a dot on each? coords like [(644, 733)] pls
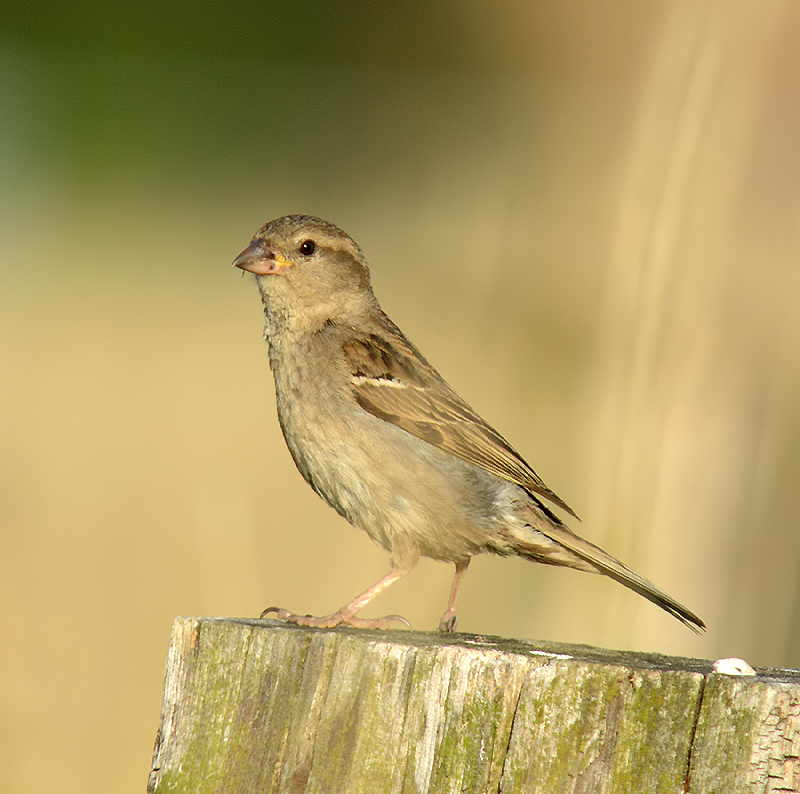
[(308, 269)]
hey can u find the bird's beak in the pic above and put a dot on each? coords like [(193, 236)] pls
[(261, 259)]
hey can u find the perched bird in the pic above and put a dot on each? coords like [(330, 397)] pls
[(383, 439)]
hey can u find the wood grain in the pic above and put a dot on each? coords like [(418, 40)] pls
[(259, 706)]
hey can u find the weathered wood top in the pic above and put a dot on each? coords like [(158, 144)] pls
[(259, 706)]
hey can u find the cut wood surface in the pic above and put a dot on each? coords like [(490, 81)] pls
[(260, 706)]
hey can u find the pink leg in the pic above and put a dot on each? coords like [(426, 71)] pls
[(346, 616), (448, 621)]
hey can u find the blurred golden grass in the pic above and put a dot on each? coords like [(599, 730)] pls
[(608, 273)]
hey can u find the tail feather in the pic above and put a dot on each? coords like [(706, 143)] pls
[(606, 564)]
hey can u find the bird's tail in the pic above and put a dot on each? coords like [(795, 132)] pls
[(591, 557)]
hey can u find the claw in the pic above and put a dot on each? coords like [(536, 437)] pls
[(447, 624), (376, 623), (277, 611)]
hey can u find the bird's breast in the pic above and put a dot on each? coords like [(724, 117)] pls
[(379, 477)]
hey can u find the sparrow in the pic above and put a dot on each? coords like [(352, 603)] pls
[(379, 434)]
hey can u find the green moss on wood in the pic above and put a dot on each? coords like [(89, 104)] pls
[(257, 706)]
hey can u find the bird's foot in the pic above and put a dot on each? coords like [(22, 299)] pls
[(448, 622), (340, 618)]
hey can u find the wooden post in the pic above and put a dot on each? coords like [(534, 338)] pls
[(259, 706)]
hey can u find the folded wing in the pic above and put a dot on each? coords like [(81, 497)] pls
[(393, 381)]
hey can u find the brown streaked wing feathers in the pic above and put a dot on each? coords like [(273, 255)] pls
[(393, 381)]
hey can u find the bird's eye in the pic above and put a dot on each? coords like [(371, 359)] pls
[(307, 247)]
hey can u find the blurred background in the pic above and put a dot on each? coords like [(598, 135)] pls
[(587, 215)]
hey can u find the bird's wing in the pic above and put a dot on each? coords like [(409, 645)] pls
[(393, 381)]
